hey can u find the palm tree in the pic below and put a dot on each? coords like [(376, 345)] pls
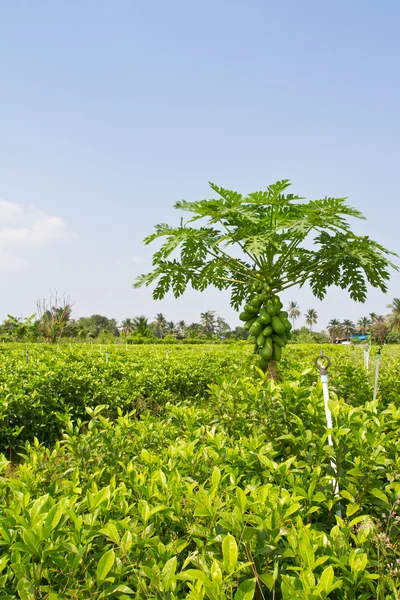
[(194, 330), (207, 319), (141, 325), (160, 324), (170, 328), (363, 325), (311, 317), (373, 316), (222, 327), (394, 317), (181, 328), (128, 326), (334, 328), (348, 328), (293, 311)]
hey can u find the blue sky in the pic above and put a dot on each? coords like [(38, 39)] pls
[(112, 111)]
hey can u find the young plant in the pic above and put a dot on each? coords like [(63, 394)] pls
[(258, 246)]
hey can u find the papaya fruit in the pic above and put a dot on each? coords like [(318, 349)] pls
[(262, 362), (245, 316), (287, 324), (264, 317), (268, 331), (270, 307), (277, 325), (276, 352), (288, 334), (278, 340), (283, 313), (283, 337), (248, 324), (250, 309), (256, 302), (256, 328), (260, 340), (267, 349)]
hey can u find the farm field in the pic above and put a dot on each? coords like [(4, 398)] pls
[(169, 473)]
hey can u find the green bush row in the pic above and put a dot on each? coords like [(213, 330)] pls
[(230, 498)]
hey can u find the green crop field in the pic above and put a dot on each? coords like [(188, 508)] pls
[(180, 472)]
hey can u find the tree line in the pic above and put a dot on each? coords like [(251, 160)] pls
[(53, 321)]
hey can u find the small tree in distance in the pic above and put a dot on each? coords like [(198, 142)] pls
[(255, 246)]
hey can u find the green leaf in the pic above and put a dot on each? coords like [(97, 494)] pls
[(229, 553), (379, 494), (305, 549), (326, 579), (105, 564), (245, 590)]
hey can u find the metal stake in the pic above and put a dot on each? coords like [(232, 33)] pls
[(106, 356), (27, 356), (378, 360), (322, 363)]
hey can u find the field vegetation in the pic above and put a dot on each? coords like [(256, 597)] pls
[(175, 473)]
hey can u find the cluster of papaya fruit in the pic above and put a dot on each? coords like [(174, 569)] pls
[(267, 323)]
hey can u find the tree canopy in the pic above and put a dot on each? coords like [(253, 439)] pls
[(233, 241)]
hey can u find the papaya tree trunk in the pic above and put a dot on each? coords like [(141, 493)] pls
[(272, 370)]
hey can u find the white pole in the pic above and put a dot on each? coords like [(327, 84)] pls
[(366, 358), (323, 369), (378, 360)]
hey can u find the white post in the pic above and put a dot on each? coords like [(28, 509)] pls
[(106, 356), (366, 358), (323, 370), (378, 360)]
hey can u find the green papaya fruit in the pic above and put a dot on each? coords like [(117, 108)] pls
[(245, 316), (277, 352), (283, 337), (256, 302), (277, 325), (270, 306), (262, 362), (256, 328), (248, 324), (267, 349), (255, 349), (263, 297), (260, 340), (288, 334), (264, 317), (278, 340), (267, 288), (287, 324), (283, 313), (250, 309), (268, 331)]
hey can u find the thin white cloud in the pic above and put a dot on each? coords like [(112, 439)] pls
[(137, 260), (22, 227)]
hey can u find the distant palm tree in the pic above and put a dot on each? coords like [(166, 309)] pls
[(373, 316), (141, 325), (170, 328), (194, 330), (181, 328), (363, 325), (334, 329), (207, 319), (394, 317), (311, 317), (348, 327), (222, 327), (160, 324), (293, 311), (128, 326)]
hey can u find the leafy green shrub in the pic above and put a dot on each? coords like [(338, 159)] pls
[(231, 497)]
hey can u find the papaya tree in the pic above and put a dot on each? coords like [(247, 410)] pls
[(259, 245)]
